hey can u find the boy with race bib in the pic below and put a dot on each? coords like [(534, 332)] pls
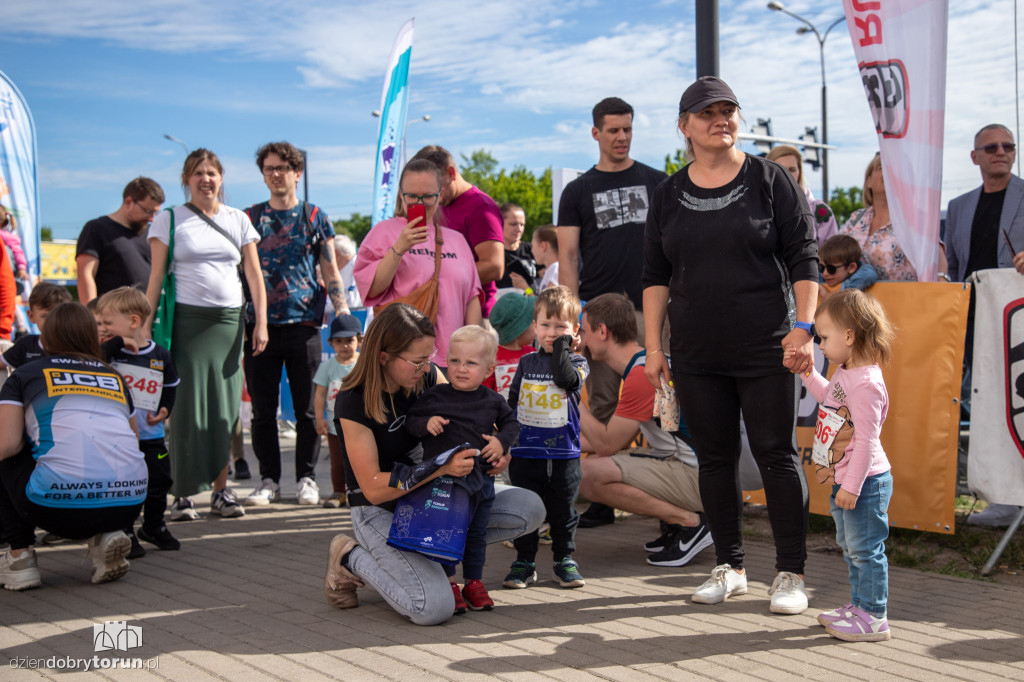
[(149, 372), (545, 393)]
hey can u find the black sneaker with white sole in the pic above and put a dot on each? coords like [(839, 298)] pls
[(685, 543), (658, 544)]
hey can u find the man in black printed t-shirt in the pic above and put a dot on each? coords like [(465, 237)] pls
[(113, 250), (601, 218)]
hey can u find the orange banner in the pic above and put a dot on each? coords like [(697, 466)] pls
[(922, 427)]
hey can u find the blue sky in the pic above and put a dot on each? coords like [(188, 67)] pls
[(105, 81)]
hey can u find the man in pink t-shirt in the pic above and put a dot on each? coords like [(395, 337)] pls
[(476, 216)]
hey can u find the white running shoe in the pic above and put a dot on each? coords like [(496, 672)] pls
[(724, 582), (788, 594), (19, 573), (225, 504), (109, 552), (309, 493), (183, 509), (267, 492)]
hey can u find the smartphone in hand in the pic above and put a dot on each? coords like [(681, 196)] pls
[(417, 211)]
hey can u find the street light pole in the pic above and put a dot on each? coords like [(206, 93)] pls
[(176, 140), (808, 27)]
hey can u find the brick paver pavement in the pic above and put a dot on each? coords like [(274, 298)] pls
[(243, 600)]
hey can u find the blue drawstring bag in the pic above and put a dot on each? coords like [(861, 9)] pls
[(432, 519)]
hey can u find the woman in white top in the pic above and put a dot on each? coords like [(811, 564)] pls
[(207, 328)]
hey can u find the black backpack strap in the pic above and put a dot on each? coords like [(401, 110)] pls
[(255, 211), (311, 212)]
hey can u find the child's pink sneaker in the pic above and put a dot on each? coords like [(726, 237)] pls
[(826, 617), (857, 625)]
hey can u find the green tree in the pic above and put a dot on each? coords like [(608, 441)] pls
[(518, 186), (844, 202), (356, 226), (45, 234), (675, 162)]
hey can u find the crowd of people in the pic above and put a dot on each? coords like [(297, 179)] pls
[(683, 307)]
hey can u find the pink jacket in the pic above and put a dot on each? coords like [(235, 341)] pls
[(13, 242), (861, 391), (459, 281)]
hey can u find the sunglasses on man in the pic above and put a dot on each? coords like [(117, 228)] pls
[(993, 148)]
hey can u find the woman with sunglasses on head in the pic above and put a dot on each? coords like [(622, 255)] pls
[(394, 366), (872, 228), (397, 256), (731, 238)]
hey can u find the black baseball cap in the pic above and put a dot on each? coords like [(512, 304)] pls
[(705, 91), (345, 326)]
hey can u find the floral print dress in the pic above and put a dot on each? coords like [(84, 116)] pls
[(881, 248)]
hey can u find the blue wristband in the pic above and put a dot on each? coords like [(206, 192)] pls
[(806, 326)]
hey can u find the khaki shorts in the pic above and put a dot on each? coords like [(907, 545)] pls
[(667, 479)]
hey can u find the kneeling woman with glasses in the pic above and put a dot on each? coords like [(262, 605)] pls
[(397, 257), (393, 368)]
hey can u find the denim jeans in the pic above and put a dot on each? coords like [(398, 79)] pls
[(298, 349), (414, 585), (861, 532), (475, 554)]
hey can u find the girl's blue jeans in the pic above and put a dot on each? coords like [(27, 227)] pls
[(862, 532)]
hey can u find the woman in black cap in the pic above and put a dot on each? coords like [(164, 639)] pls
[(730, 240)]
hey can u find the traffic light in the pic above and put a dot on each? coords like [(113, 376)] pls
[(811, 154)]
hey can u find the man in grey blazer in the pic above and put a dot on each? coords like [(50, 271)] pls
[(980, 228), (975, 221)]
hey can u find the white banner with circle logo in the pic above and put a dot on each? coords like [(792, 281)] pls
[(901, 53)]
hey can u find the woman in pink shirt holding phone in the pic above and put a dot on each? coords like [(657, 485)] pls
[(397, 256)]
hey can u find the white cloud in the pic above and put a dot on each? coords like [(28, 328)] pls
[(541, 66)]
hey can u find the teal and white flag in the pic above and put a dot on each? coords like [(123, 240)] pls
[(19, 190), (393, 103)]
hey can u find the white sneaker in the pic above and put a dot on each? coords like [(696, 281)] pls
[(788, 595), (183, 509), (309, 493), (724, 582), (267, 492), (19, 573), (995, 515), (225, 504), (109, 552)]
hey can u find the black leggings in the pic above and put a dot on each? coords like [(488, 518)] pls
[(711, 406), (19, 517)]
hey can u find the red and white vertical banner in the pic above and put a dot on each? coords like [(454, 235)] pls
[(901, 52), (995, 461)]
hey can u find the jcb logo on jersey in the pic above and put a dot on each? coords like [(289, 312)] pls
[(103, 385)]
